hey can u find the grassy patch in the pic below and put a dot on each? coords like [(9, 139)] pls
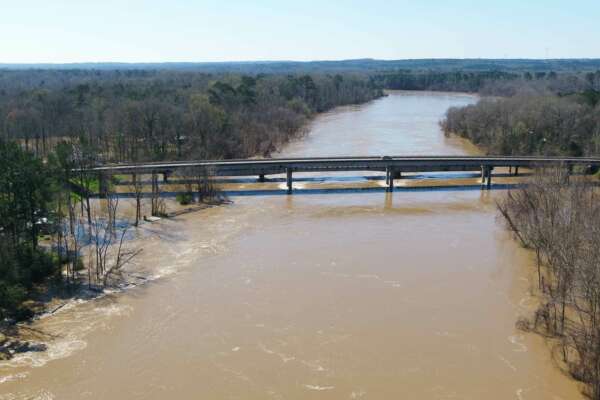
[(91, 183), (118, 179), (185, 198)]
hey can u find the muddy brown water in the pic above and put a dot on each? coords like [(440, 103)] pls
[(412, 294)]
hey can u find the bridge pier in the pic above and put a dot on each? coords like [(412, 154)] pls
[(389, 178), (486, 177), (483, 174), (289, 180)]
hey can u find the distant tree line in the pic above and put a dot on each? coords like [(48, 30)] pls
[(134, 116), (538, 116), (455, 81), (489, 82), (365, 65)]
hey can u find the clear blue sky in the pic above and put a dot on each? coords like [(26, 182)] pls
[(228, 30)]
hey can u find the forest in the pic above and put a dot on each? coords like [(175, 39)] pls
[(533, 116), (146, 115)]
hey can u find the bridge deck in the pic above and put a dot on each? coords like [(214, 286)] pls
[(319, 164), (393, 166)]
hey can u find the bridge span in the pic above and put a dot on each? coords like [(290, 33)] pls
[(393, 166)]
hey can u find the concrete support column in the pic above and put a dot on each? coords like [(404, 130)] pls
[(483, 174), (486, 177), (289, 180), (390, 178)]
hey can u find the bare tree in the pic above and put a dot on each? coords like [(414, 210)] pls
[(158, 205), (206, 188), (121, 258), (108, 238), (137, 187)]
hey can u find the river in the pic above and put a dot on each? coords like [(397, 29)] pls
[(360, 295)]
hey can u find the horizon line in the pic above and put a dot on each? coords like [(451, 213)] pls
[(291, 61)]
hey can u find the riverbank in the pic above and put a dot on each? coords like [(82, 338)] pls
[(17, 337)]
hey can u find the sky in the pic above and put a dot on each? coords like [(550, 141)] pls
[(66, 31)]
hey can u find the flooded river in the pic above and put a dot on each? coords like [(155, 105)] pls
[(363, 295)]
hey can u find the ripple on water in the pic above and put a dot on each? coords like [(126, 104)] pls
[(319, 388), (76, 325), (13, 377), (517, 341)]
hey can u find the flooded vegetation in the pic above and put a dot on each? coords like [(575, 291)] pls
[(557, 218), (331, 296)]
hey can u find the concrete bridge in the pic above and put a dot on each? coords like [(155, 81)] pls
[(393, 166)]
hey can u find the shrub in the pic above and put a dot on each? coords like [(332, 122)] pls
[(185, 198)]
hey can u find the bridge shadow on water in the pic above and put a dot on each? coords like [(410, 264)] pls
[(348, 190), (430, 186), (332, 178), (365, 190)]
